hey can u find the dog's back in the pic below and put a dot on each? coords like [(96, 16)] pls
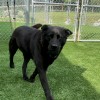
[(23, 34)]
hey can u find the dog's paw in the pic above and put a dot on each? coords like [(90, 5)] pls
[(25, 78), (12, 65), (28, 80), (32, 80), (50, 98)]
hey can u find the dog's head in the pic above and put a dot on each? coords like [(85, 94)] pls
[(54, 38)]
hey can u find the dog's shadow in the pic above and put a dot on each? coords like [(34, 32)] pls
[(68, 82)]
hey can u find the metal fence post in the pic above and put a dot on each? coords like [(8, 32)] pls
[(27, 11), (46, 9), (78, 19), (33, 13)]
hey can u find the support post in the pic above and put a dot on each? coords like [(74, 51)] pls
[(33, 13), (27, 11), (78, 20), (46, 11)]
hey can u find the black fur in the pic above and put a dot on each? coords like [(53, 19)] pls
[(43, 46)]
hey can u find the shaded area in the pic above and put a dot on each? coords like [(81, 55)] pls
[(68, 82)]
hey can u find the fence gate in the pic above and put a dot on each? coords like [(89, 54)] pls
[(89, 21)]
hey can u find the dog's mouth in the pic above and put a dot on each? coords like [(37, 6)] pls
[(53, 54)]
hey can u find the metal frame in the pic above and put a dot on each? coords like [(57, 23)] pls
[(77, 24)]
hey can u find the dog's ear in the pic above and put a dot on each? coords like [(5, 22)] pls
[(37, 26), (68, 32), (44, 27)]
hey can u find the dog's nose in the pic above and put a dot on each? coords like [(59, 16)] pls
[(54, 46)]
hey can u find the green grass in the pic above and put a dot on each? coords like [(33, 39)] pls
[(75, 75)]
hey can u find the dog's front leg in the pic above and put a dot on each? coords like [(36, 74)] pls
[(43, 79), (38, 59)]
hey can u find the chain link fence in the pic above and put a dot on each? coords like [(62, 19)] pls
[(10, 17), (90, 25), (63, 13)]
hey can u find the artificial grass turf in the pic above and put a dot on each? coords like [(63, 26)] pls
[(75, 75)]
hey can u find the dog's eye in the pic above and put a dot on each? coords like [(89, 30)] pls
[(58, 36), (51, 35)]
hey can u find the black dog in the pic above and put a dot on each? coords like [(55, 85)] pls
[(43, 46)]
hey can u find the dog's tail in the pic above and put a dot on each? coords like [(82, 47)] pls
[(37, 26)]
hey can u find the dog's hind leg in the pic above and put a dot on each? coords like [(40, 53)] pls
[(24, 67), (12, 50), (32, 78)]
